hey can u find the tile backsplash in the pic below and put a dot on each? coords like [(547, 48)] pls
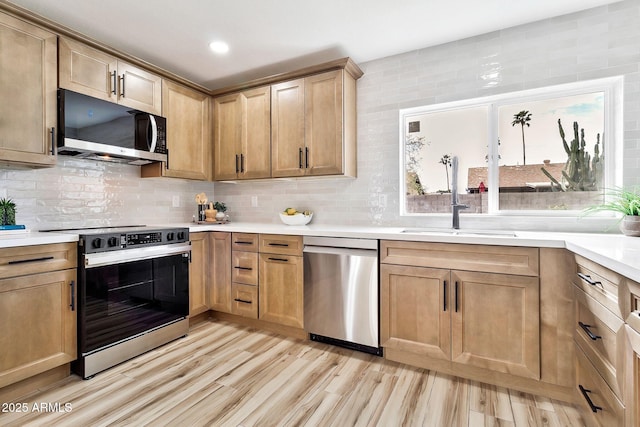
[(595, 43), (87, 193)]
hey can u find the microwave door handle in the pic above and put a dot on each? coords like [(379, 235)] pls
[(154, 133)]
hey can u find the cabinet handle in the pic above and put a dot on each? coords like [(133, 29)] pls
[(589, 280), (166, 165), (300, 157), (241, 163), (237, 168), (456, 296), (243, 268), (53, 141), (306, 157), (585, 394), (586, 329), (279, 259), (122, 86), (114, 82), (73, 298), (22, 261), (240, 242), (444, 288), (244, 301), (284, 245)]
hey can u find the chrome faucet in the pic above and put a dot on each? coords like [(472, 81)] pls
[(455, 206)]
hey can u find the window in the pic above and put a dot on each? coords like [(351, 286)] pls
[(549, 151)]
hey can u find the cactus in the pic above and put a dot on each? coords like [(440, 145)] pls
[(581, 172)]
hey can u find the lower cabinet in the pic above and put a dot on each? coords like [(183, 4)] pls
[(632, 361), (597, 399), (219, 265), (281, 289), (37, 314), (198, 273), (480, 319), (280, 280)]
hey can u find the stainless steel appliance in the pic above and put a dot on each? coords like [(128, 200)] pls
[(100, 130), (341, 292), (133, 293)]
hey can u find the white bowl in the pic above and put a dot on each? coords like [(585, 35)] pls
[(297, 219)]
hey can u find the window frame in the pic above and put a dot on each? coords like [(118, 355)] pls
[(612, 88)]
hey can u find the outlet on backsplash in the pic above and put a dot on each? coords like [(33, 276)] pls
[(254, 201), (176, 201)]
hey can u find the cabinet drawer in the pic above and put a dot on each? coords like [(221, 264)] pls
[(244, 300), (600, 283), (247, 242), (37, 259), (597, 333), (595, 397), (281, 244), (244, 267), (489, 259)]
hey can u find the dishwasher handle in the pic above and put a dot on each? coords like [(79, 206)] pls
[(309, 249)]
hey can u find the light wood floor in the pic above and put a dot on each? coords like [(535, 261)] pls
[(227, 375)]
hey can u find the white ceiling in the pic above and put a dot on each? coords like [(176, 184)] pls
[(272, 36)]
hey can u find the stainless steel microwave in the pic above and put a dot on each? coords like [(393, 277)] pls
[(101, 130)]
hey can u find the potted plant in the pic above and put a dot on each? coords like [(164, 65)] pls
[(626, 202), (221, 208), (7, 212)]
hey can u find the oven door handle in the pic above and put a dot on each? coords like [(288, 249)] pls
[(137, 254)]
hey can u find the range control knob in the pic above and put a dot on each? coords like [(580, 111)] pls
[(180, 235), (96, 243), (113, 241), (170, 236)]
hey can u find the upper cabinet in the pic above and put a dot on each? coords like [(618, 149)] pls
[(313, 126), (95, 73), (305, 125), (188, 134), (242, 135), (28, 65)]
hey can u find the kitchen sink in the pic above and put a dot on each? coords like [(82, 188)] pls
[(451, 232)]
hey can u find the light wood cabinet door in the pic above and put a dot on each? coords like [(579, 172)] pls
[(86, 70), (139, 89), (287, 129), (198, 276), (415, 310), (220, 272), (496, 322), (281, 290), (255, 149), (227, 111), (28, 83), (323, 123), (93, 72), (242, 135), (38, 317), (188, 135)]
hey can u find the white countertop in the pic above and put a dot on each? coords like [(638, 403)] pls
[(29, 238), (614, 251)]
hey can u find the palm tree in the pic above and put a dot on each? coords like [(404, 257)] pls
[(446, 161), (522, 118)]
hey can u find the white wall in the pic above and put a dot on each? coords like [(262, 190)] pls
[(596, 43)]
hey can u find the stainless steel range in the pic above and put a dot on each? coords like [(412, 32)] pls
[(133, 293)]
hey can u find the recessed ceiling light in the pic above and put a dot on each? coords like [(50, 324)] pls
[(219, 47)]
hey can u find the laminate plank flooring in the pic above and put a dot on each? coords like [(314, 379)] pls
[(224, 374)]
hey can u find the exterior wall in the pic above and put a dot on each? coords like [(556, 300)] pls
[(595, 43)]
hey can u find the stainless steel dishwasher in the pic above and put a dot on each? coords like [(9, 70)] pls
[(341, 292)]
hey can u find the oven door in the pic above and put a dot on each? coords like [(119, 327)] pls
[(125, 293)]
